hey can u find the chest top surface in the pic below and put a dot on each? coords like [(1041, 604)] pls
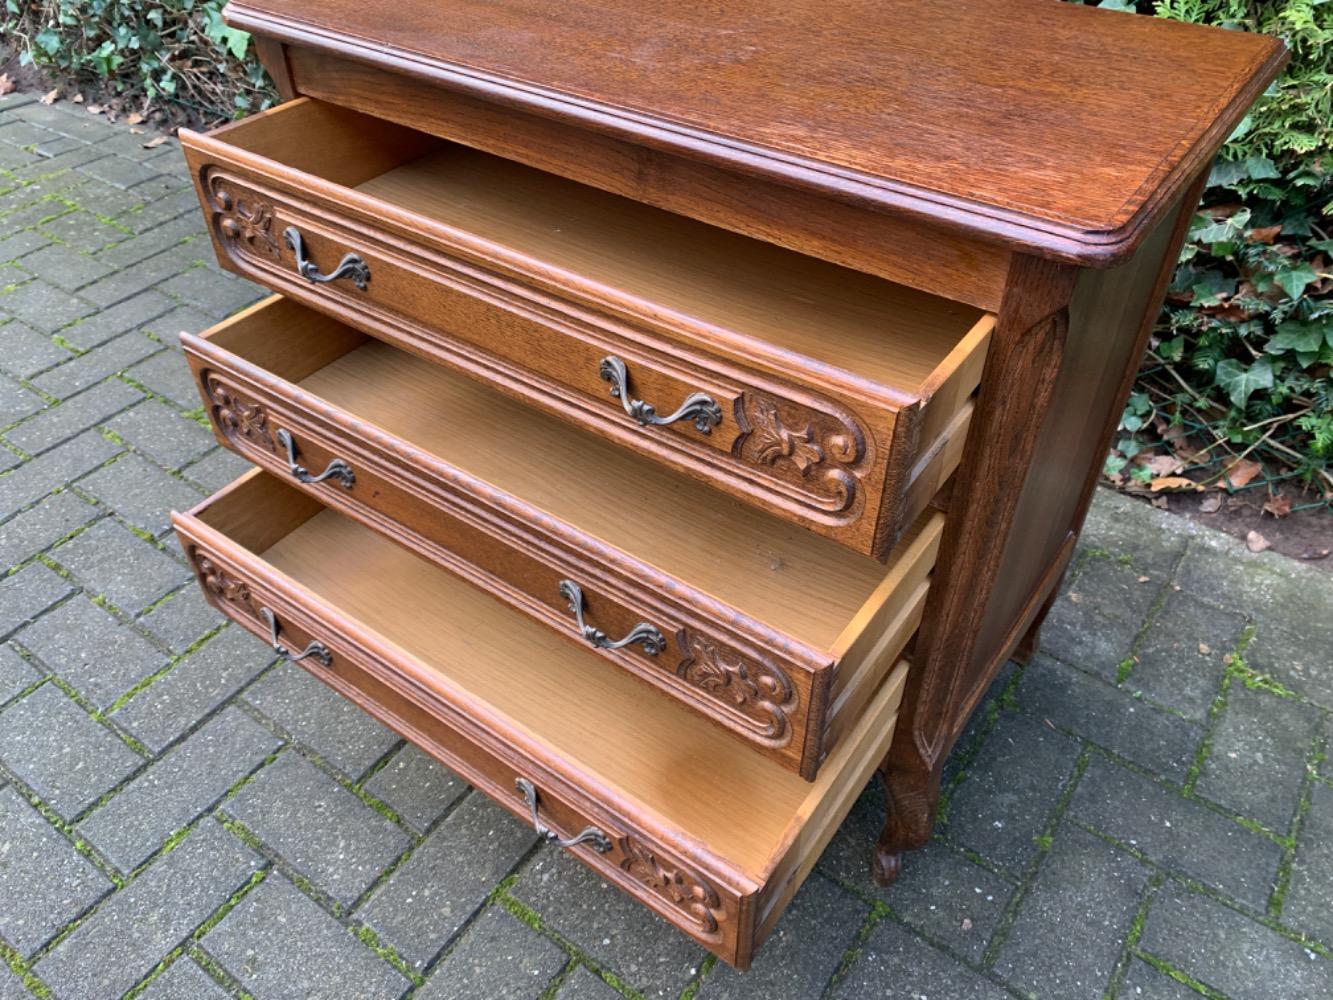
[(1046, 124)]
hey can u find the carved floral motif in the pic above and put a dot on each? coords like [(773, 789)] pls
[(243, 218), (757, 690), (218, 582), (685, 890), (821, 448), (237, 416)]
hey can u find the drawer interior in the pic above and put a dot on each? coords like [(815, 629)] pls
[(790, 579), (762, 299), (630, 742)]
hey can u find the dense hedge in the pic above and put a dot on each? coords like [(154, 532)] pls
[(1241, 361), (175, 56)]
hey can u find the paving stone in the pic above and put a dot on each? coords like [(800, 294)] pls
[(1298, 659), (24, 351), (11, 986), (167, 374), (1179, 660), (1176, 832), (1229, 952), (18, 132), (176, 789), (133, 930), (1309, 903), (41, 526), (320, 828), (59, 171), (22, 243), (26, 594), (322, 719), (182, 319), (107, 201), (940, 892), (212, 290), (645, 952), (216, 469), (314, 958), (141, 493), (1113, 718), (194, 687), (417, 787), (804, 950), (61, 753), (35, 479), (163, 434), (57, 423), (44, 882), (153, 241), (33, 214), (16, 402), (98, 364), (896, 965), (1079, 631), (183, 619), (447, 879), (65, 267), (499, 958), (184, 980), (1010, 791), (164, 182), (161, 210), (88, 648), (16, 674), (84, 232), (126, 570), (1086, 891), (583, 984), (132, 146), (132, 314), (119, 171), (1143, 982), (1257, 765), (43, 306)]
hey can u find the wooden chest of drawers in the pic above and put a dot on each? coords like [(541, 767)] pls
[(669, 423)]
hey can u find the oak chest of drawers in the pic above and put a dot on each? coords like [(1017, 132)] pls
[(673, 415)]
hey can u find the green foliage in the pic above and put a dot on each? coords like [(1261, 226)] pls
[(1244, 346), (175, 53)]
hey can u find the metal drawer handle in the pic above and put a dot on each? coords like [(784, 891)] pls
[(315, 649), (646, 635), (591, 835), (697, 406), (337, 467), (351, 266)]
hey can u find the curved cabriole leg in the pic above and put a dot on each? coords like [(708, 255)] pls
[(911, 792)]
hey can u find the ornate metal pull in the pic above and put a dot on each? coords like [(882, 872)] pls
[(337, 467), (591, 835), (315, 649), (351, 266), (702, 409), (644, 634)]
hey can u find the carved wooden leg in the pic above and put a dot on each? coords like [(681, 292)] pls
[(911, 792), (1028, 645)]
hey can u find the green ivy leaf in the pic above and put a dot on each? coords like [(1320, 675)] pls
[(1294, 279), (1294, 336), (1239, 382)]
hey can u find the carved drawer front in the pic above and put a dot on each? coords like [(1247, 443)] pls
[(833, 399), (540, 726), (770, 632)]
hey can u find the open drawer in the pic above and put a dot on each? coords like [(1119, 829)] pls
[(771, 632), (834, 399), (713, 837)]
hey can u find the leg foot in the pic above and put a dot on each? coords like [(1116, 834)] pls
[(911, 791), (886, 867), (1027, 646)]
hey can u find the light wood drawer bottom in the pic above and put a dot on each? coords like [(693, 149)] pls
[(709, 834)]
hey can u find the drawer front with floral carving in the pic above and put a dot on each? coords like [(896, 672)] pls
[(835, 451), (389, 631), (738, 670)]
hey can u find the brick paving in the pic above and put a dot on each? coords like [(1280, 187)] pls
[(1146, 811)]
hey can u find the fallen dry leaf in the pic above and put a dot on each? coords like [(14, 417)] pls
[(1265, 234), (94, 109), (1160, 503), (1240, 472), (134, 119), (1144, 579), (6, 84), (77, 98), (1314, 553), (1210, 504), (1075, 597), (1279, 506), (154, 143), (1227, 659), (967, 923), (1164, 465), (1205, 649), (1174, 483), (1256, 542), (136, 131), (50, 97)]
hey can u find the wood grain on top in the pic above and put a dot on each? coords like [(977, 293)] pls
[(1056, 127)]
